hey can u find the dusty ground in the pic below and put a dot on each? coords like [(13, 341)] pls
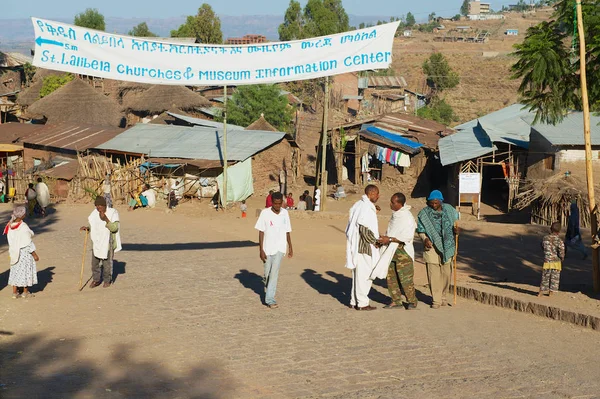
[(184, 320)]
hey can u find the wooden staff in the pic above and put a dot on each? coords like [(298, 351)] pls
[(87, 232), (455, 256)]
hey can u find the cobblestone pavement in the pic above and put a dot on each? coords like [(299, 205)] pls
[(184, 319)]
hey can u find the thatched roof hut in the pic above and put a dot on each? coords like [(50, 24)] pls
[(550, 199), (262, 124), (77, 101), (32, 93), (160, 98)]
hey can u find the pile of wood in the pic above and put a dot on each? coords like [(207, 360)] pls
[(550, 199)]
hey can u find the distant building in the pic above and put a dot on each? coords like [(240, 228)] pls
[(477, 8), (247, 39), (512, 32), (407, 33)]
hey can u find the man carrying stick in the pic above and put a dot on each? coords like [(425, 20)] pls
[(436, 227), (103, 225)]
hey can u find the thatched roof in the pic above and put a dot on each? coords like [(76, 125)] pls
[(550, 198), (262, 124), (160, 98), (77, 101), (32, 93)]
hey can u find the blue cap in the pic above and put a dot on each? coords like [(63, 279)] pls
[(435, 195)]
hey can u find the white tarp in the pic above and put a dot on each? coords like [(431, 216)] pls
[(85, 51)]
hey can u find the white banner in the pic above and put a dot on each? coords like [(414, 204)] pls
[(85, 51)]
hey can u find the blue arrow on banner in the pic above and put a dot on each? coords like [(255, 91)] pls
[(39, 41)]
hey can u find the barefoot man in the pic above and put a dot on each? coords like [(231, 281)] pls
[(362, 254), (103, 225)]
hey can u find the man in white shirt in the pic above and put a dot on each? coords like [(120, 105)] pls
[(275, 241), (150, 195)]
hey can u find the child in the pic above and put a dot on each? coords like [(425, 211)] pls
[(290, 201), (554, 254), (243, 208), (23, 272)]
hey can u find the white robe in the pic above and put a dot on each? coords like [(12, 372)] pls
[(402, 227), (43, 194), (17, 239), (364, 213), (101, 235)]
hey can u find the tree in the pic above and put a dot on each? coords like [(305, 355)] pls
[(439, 74), (431, 17), (549, 70), (438, 110), (293, 23), (29, 71), (410, 20), (456, 17), (319, 18), (361, 25), (249, 102), (90, 18), (464, 9), (53, 83), (141, 30), (205, 26)]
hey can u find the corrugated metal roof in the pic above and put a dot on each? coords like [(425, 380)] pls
[(11, 131), (509, 119), (169, 141), (204, 122), (569, 131), (387, 81), (69, 136), (64, 171), (212, 111), (465, 145)]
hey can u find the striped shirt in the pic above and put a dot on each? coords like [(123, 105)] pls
[(367, 238)]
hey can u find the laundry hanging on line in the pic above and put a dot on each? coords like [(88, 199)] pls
[(392, 157)]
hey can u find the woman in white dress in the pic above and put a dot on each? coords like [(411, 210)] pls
[(23, 272)]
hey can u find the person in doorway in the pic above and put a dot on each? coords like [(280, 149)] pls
[(275, 241), (436, 227), (269, 200), (309, 201), (22, 253), (554, 254), (573, 235), (150, 196), (106, 190), (104, 226), (362, 254), (317, 200), (43, 195), (398, 258), (31, 196)]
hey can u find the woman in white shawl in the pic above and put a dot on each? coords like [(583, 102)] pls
[(43, 195), (23, 272)]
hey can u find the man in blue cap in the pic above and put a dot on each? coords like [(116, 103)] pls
[(436, 227)]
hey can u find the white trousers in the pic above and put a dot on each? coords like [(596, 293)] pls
[(361, 284)]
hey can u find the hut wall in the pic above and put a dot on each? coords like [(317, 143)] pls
[(30, 155), (266, 166), (541, 159), (10, 80), (578, 155)]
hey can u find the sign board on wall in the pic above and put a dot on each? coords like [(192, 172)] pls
[(85, 51), (469, 183)]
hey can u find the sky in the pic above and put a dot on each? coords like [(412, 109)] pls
[(162, 9)]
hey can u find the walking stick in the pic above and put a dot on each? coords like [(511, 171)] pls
[(87, 232), (455, 256)]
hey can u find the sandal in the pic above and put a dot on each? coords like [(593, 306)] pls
[(16, 295), (273, 306)]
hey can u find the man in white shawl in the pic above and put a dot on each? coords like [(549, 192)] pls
[(397, 255), (103, 225), (362, 254), (43, 195)]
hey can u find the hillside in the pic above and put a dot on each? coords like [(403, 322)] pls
[(484, 69)]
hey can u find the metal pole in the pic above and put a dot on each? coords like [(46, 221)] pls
[(225, 147), (324, 146), (588, 143)]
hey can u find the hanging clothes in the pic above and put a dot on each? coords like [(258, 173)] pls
[(404, 160), (388, 154)]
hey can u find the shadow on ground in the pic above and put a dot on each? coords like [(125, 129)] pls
[(189, 246), (35, 367), (253, 282)]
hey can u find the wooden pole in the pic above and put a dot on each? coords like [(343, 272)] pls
[(87, 232), (324, 146), (588, 144), (455, 256), (224, 148)]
